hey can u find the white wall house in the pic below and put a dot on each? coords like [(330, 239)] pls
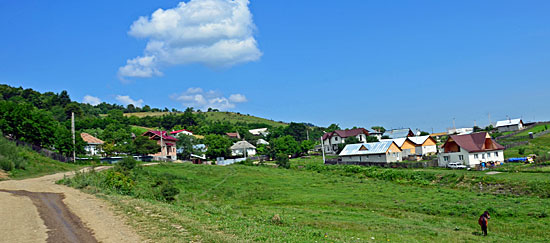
[(385, 151), (424, 145), (332, 139), (259, 132), (509, 125), (182, 131), (471, 150), (93, 144), (460, 131), (239, 148)]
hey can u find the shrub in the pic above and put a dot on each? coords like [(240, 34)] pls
[(521, 151), (169, 192), (126, 165), (282, 161), (6, 164), (118, 181)]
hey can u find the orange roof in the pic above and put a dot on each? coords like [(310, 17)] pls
[(89, 139)]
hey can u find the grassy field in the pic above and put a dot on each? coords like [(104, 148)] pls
[(540, 145), (340, 204), (20, 162), (218, 116)]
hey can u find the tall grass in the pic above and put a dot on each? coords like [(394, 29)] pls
[(22, 162)]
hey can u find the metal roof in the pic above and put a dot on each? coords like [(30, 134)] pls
[(242, 145), (398, 133), (419, 140), (398, 141), (508, 122), (372, 148)]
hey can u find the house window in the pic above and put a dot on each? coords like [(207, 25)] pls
[(496, 154), (461, 157), (488, 155), (379, 156), (483, 156), (446, 158), (335, 138), (476, 156)]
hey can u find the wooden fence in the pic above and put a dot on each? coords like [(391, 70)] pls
[(432, 163)]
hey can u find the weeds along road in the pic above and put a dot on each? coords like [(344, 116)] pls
[(38, 210)]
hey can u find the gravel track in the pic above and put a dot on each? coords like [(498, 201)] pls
[(38, 210)]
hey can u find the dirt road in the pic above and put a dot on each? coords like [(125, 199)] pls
[(38, 210)]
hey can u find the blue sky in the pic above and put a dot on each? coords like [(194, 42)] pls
[(416, 64)]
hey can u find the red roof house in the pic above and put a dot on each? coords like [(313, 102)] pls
[(471, 150), (168, 145)]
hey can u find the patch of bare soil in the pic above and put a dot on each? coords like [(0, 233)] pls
[(3, 175), (40, 205), (63, 224)]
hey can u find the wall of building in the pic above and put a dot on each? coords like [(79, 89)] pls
[(471, 159), (386, 158), (510, 128), (239, 152)]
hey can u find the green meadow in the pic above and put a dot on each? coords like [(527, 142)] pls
[(315, 203)]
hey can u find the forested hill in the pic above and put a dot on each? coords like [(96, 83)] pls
[(44, 119)]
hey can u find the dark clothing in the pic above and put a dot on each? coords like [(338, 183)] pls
[(483, 221), (484, 229)]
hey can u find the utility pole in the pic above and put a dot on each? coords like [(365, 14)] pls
[(161, 150), (323, 149), (74, 140), (307, 133)]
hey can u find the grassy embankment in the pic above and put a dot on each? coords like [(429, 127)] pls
[(21, 162), (312, 202), (539, 146)]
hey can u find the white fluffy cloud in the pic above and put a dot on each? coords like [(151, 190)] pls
[(216, 33), (126, 100), (198, 98), (237, 98), (92, 100)]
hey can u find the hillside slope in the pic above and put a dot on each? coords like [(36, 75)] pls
[(20, 162), (231, 117)]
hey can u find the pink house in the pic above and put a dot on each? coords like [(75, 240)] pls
[(168, 143)]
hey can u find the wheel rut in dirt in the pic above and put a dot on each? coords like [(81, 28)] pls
[(62, 224)]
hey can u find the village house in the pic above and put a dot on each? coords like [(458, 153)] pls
[(509, 125), (385, 151), (262, 141), (241, 147), (471, 150), (168, 145), (407, 146), (332, 139), (460, 131), (233, 135), (399, 133), (424, 145), (182, 131), (259, 132), (93, 144)]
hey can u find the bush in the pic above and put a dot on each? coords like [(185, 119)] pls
[(6, 164), (119, 182), (169, 192), (521, 151), (282, 161), (126, 165)]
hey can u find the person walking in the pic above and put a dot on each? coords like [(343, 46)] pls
[(484, 221)]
